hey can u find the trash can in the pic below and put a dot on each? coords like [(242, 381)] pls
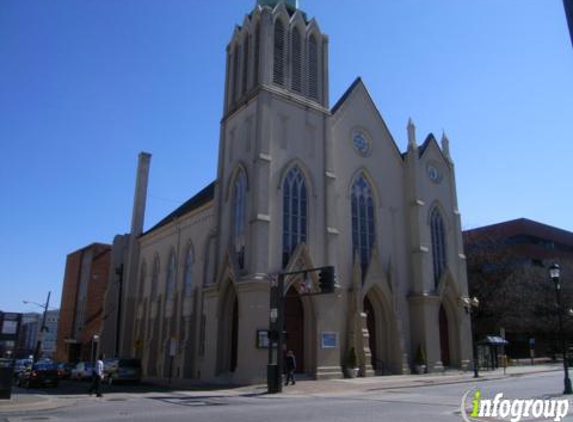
[(273, 381), (6, 374)]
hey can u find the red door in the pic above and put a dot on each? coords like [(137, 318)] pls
[(444, 337)]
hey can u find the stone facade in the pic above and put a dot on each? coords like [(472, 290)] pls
[(302, 185)]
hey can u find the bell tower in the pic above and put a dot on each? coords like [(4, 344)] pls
[(277, 46), (275, 112), (271, 192)]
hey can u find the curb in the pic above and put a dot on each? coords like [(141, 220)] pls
[(39, 403), (406, 385), (43, 402)]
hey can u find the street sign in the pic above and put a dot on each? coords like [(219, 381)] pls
[(274, 314)]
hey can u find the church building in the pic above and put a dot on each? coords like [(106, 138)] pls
[(301, 185)]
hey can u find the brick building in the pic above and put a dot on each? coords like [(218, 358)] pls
[(81, 313), (508, 271)]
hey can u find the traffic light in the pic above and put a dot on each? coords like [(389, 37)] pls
[(326, 279)]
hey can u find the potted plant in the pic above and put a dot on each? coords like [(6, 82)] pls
[(351, 364), (420, 366)]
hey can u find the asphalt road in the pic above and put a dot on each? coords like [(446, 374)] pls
[(432, 403)]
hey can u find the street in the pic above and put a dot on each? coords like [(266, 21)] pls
[(428, 403)]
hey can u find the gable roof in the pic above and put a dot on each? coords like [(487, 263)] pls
[(422, 148), (204, 196), (359, 82), (346, 95), (429, 140)]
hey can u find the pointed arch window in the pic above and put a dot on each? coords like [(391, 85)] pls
[(438, 245), (239, 216), (279, 53), (294, 212), (155, 278), (363, 224), (142, 276), (313, 67), (170, 284), (188, 272), (296, 61)]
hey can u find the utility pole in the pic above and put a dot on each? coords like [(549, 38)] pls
[(42, 328)]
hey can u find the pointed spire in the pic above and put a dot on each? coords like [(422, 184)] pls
[(412, 144), (290, 4), (445, 144)]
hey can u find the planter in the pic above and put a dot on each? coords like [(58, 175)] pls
[(351, 372), (420, 369)]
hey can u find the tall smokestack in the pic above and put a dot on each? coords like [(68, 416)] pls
[(130, 270), (140, 197)]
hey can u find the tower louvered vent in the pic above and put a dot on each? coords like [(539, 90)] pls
[(313, 67), (256, 59), (235, 74), (246, 63), (296, 62), (279, 56)]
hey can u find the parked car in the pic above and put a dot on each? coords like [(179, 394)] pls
[(65, 370), (82, 371), (20, 365), (122, 370), (39, 374)]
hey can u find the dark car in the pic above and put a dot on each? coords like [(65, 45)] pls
[(83, 371), (64, 370), (122, 370), (39, 375), (20, 365)]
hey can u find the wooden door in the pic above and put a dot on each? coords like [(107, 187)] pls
[(444, 337)]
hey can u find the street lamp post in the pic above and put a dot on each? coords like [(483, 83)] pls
[(471, 306), (554, 273), (43, 327)]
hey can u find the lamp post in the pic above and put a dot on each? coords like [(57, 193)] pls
[(43, 327), (471, 306), (554, 274)]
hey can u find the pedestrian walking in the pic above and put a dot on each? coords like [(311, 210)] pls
[(290, 366), (97, 377)]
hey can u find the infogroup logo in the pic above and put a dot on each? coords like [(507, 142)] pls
[(514, 410)]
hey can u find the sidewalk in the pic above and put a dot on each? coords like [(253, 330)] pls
[(371, 384), (303, 388), (28, 403)]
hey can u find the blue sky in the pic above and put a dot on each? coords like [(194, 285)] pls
[(86, 85)]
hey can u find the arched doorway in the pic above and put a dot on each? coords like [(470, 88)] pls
[(444, 337), (228, 336), (371, 325), (234, 336), (294, 327)]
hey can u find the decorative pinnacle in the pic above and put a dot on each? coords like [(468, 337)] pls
[(412, 144), (445, 144), (290, 4)]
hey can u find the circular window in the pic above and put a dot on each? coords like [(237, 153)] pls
[(361, 142)]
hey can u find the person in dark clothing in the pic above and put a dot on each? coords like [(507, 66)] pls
[(97, 377), (290, 366)]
